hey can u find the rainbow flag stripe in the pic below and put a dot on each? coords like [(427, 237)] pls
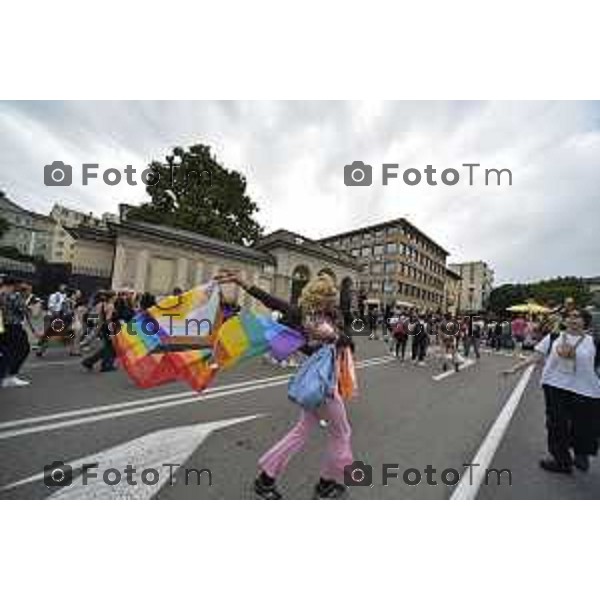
[(187, 338)]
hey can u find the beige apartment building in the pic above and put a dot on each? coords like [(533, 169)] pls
[(399, 264), (452, 292), (477, 281)]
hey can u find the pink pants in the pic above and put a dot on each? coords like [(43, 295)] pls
[(338, 453)]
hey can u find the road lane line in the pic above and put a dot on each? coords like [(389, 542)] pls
[(155, 404), (469, 484), (175, 444), (174, 396), (131, 403), (469, 362), (50, 363)]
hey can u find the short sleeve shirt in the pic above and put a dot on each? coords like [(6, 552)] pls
[(579, 375)]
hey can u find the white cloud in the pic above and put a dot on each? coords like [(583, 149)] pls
[(293, 154)]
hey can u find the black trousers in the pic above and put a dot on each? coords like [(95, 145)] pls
[(401, 347), (419, 348), (572, 422), (15, 348)]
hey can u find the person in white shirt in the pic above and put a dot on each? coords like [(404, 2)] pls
[(572, 392), (56, 301)]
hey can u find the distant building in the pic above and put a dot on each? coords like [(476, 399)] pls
[(477, 281), (29, 232), (69, 217), (399, 264), (452, 291)]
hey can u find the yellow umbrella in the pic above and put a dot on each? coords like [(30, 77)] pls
[(530, 307)]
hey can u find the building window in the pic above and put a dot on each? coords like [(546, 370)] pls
[(378, 250), (356, 252), (391, 248), (388, 285), (389, 267), (376, 268), (366, 252)]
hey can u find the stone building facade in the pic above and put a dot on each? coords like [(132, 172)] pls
[(399, 264), (477, 281), (156, 258)]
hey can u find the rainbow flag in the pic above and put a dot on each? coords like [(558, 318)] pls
[(188, 338)]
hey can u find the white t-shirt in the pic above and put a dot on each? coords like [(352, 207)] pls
[(559, 372), (55, 302)]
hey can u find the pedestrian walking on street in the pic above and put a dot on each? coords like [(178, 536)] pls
[(417, 329), (55, 318), (14, 342), (471, 337), (104, 331), (572, 393), (400, 335), (316, 317)]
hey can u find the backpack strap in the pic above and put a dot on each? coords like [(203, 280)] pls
[(553, 336)]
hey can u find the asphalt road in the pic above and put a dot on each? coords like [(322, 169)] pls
[(404, 414)]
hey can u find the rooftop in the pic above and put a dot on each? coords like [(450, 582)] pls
[(393, 223), (191, 238), (289, 239)]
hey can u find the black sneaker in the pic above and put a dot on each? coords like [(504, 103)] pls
[(552, 465), (582, 462), (329, 490), (266, 490)]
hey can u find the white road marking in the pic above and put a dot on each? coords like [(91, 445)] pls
[(150, 404), (469, 362), (132, 403), (152, 451), (470, 482), (50, 363)]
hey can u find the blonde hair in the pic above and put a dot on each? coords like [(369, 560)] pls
[(319, 294)]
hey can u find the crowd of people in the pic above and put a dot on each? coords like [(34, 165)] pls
[(451, 337), (83, 326), (562, 339)]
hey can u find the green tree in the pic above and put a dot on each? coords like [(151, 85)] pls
[(550, 292), (554, 291), (507, 295), (197, 193)]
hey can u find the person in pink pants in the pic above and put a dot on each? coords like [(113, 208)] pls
[(338, 453), (316, 317)]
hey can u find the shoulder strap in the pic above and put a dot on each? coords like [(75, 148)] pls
[(553, 337)]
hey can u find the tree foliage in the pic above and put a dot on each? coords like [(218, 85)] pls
[(195, 192), (550, 292)]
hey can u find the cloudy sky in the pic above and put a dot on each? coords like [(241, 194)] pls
[(293, 155)]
